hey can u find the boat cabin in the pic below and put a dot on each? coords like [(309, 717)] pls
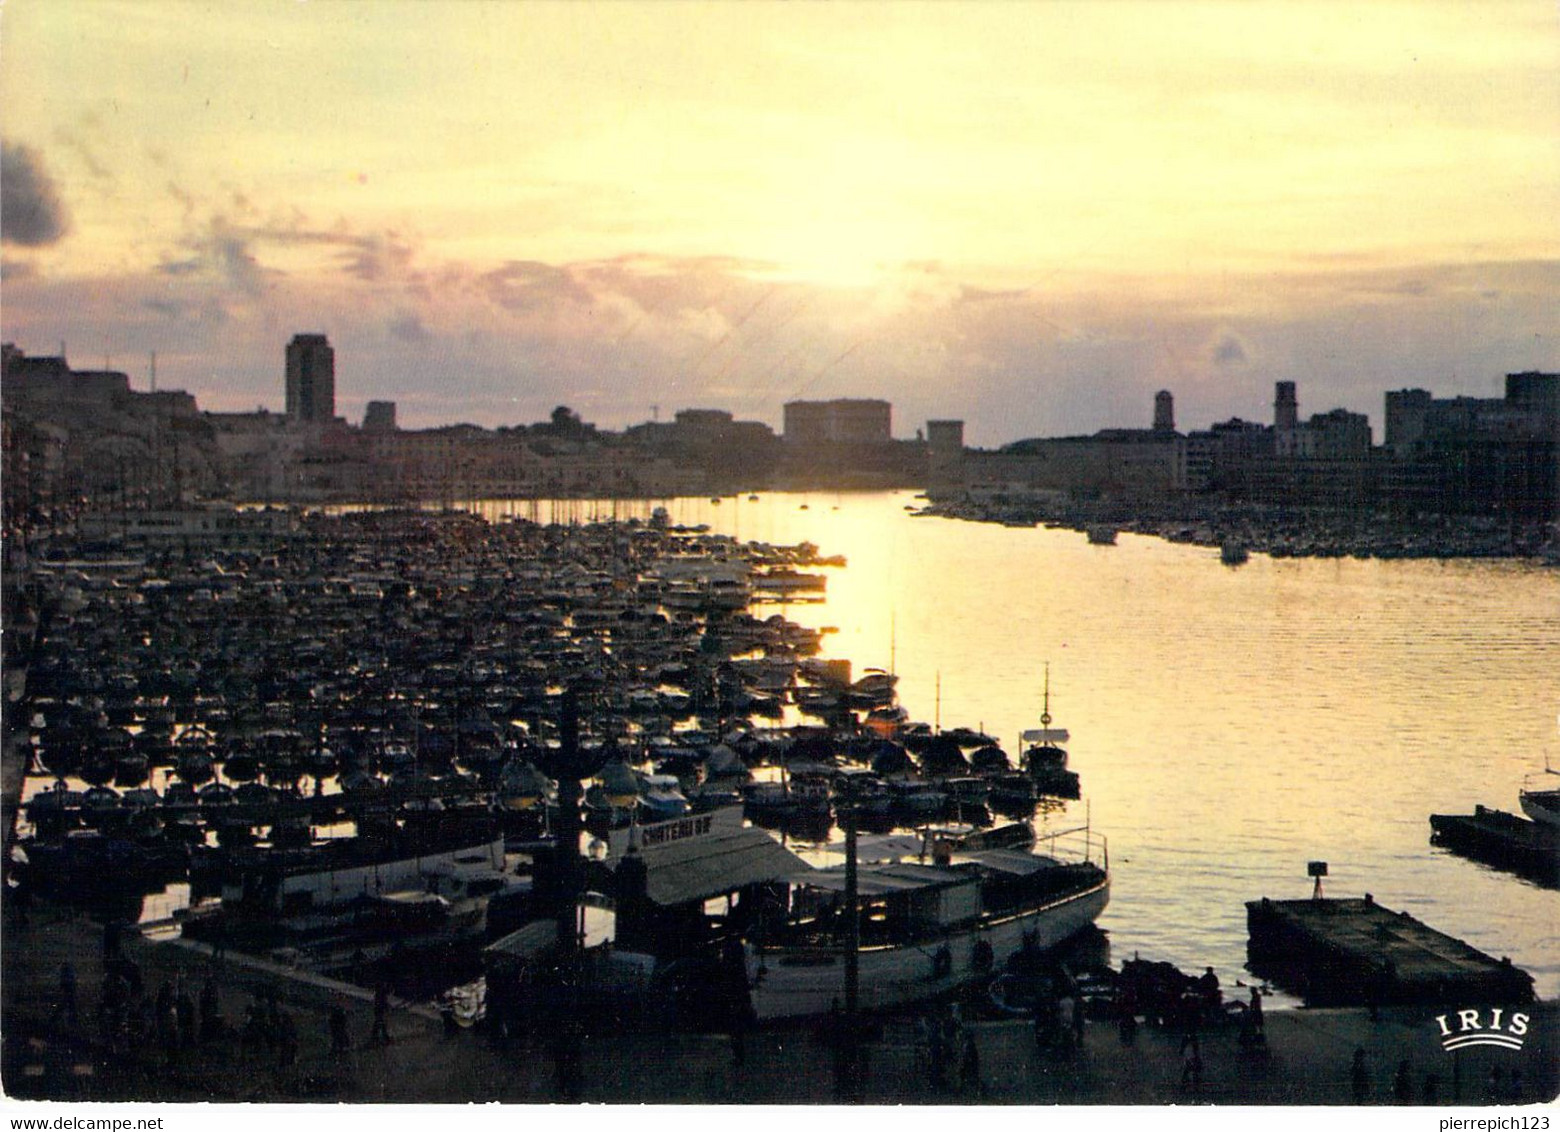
[(899, 902)]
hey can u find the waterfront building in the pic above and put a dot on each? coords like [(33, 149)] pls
[(311, 379), (733, 455), (1217, 458), (842, 421), (1113, 463), (945, 436), (379, 416), (1335, 435), (944, 455), (84, 438), (1477, 455), (257, 451)]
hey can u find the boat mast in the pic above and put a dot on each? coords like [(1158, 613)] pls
[(892, 666), (1045, 709)]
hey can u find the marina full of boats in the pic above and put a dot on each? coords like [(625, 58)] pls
[(348, 746)]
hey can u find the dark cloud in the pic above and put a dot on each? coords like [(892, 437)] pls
[(1413, 288), (165, 307), (1229, 352), (409, 328), (237, 262), (179, 267), (31, 212), (379, 256), (527, 285)]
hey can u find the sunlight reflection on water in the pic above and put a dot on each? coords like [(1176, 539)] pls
[(1228, 724)]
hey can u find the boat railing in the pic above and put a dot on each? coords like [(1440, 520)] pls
[(1079, 843)]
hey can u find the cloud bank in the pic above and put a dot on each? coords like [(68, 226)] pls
[(31, 212), (619, 338)]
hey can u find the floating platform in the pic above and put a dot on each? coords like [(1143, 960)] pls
[(1355, 952), (1501, 839)]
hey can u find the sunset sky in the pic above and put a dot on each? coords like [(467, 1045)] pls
[(1027, 215)]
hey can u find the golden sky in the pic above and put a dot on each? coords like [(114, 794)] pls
[(620, 204)]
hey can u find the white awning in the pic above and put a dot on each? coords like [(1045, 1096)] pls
[(537, 936), (1017, 862), (702, 867), (881, 846), (526, 942)]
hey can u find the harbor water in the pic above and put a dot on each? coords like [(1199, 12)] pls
[(1229, 724)]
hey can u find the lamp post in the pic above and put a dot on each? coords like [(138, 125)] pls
[(850, 1060), (569, 766)]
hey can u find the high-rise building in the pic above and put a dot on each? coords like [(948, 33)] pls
[(1164, 411), (311, 379), (1286, 410), (1407, 412), (1536, 393)]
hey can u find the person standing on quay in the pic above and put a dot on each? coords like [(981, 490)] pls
[(67, 1002), (339, 1040), (380, 1034), (210, 1011), (184, 1008), (1403, 1084), (969, 1070), (1192, 1064), (1359, 1076)]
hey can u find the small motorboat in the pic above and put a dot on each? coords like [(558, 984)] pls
[(1540, 798)]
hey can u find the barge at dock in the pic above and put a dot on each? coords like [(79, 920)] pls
[(1346, 952), (1503, 840)]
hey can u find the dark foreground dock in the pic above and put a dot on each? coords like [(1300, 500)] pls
[(1355, 952), (1501, 839), (1309, 1060)]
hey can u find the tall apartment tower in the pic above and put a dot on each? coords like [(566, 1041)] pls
[(1286, 410), (311, 378), (1164, 411)]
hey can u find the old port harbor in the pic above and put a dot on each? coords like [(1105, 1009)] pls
[(539, 781)]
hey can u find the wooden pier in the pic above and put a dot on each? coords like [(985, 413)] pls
[(1355, 952), (1501, 839)]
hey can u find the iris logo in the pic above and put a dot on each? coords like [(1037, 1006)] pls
[(1471, 1028)]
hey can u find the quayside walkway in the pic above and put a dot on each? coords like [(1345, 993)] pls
[(47, 1054)]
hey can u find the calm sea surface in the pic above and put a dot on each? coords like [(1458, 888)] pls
[(1229, 725)]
